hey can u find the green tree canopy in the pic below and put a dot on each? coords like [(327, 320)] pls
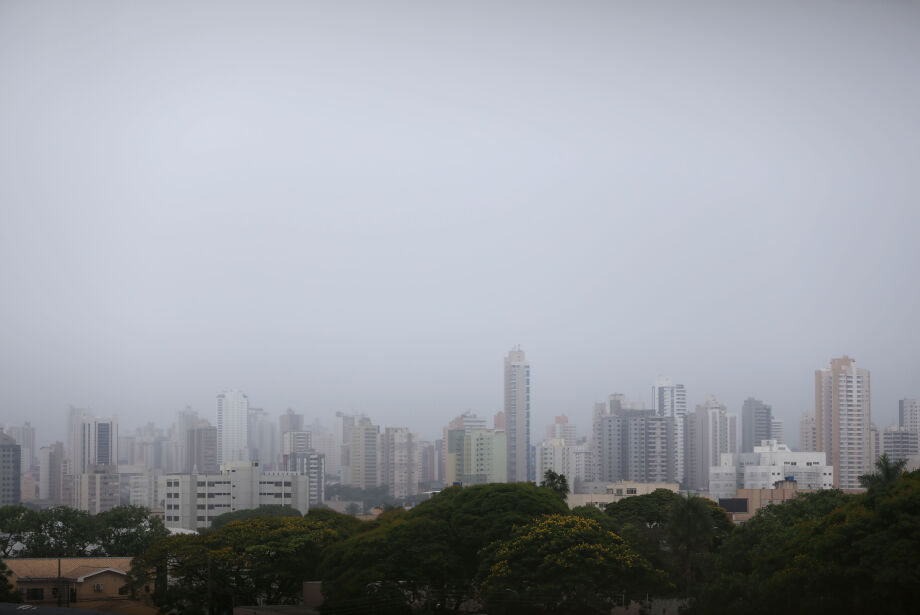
[(886, 473), (272, 511), (563, 564), (558, 483), (8, 593)]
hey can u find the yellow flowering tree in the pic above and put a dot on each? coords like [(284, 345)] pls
[(563, 564)]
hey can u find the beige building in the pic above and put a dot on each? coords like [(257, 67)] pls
[(614, 492), (69, 580), (842, 418), (747, 502), (364, 454)]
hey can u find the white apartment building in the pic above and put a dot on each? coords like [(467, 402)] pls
[(843, 415), (192, 500), (400, 463), (770, 462), (554, 454), (517, 415), (232, 427)]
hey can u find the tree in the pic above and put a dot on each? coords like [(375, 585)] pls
[(695, 524), (60, 532), (128, 531), (429, 556), (886, 473), (14, 525), (563, 564), (271, 511), (557, 483)]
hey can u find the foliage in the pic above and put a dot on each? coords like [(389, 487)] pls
[(271, 511), (886, 473), (124, 531), (558, 483), (428, 557), (563, 564), (262, 559), (8, 593)]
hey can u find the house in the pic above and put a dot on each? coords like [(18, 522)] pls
[(69, 580)]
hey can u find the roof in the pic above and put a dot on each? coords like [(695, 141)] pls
[(78, 568)]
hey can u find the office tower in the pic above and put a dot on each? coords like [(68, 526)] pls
[(711, 431), (10, 470), (93, 442), (808, 432), (262, 439), (756, 424), (517, 415), (400, 462), (232, 427), (561, 428), (843, 415), (909, 414), (364, 454), (50, 472), (201, 450), (290, 421)]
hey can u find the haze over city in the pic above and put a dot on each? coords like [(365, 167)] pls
[(363, 207)]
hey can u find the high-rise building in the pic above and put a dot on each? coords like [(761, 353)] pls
[(290, 421), (94, 442), (808, 433), (10, 470), (909, 414), (25, 438), (756, 424), (294, 442), (342, 432), (201, 450), (400, 462), (561, 428), (670, 400), (900, 443), (711, 431), (51, 473), (843, 415), (517, 416), (232, 427), (364, 454), (262, 439), (778, 430)]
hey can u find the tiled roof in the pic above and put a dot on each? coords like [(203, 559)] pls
[(71, 567)]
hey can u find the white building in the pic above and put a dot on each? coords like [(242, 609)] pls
[(232, 427), (554, 454), (711, 431), (770, 462), (909, 414), (192, 500), (561, 428), (517, 416), (400, 461), (670, 400)]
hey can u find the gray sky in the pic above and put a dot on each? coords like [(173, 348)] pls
[(363, 206)]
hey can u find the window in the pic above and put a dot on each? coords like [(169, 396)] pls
[(35, 593), (630, 491), (97, 587)]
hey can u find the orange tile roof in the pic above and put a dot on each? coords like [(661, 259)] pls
[(71, 567)]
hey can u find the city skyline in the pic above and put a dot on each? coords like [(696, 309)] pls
[(361, 210)]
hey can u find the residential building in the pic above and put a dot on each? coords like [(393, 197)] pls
[(561, 428), (778, 430), (843, 415), (400, 462), (756, 424), (670, 400), (262, 439), (909, 414), (517, 416), (201, 450), (50, 473), (76, 579), (364, 454), (554, 454), (96, 490), (232, 427), (290, 421), (193, 500), (900, 443), (711, 431), (808, 432), (600, 493), (313, 465)]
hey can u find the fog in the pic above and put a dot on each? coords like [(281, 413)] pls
[(364, 206)]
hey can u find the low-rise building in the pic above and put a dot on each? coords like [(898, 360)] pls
[(746, 502), (69, 580), (192, 500), (600, 494), (770, 462)]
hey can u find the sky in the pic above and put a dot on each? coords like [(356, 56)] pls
[(363, 206)]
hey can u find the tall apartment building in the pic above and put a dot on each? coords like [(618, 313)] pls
[(232, 427), (313, 465), (756, 424), (95, 490), (290, 421), (201, 450), (262, 438), (909, 414), (25, 437), (364, 454), (193, 500), (670, 400), (900, 443), (400, 462), (342, 432), (808, 432), (843, 415), (93, 441), (778, 430), (517, 416), (561, 428), (711, 431), (10, 471), (556, 455)]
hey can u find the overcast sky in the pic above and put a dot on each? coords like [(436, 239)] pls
[(364, 206)]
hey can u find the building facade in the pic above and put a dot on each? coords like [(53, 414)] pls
[(756, 424), (843, 415), (232, 427), (517, 416)]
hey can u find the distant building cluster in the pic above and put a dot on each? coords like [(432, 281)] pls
[(195, 470)]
